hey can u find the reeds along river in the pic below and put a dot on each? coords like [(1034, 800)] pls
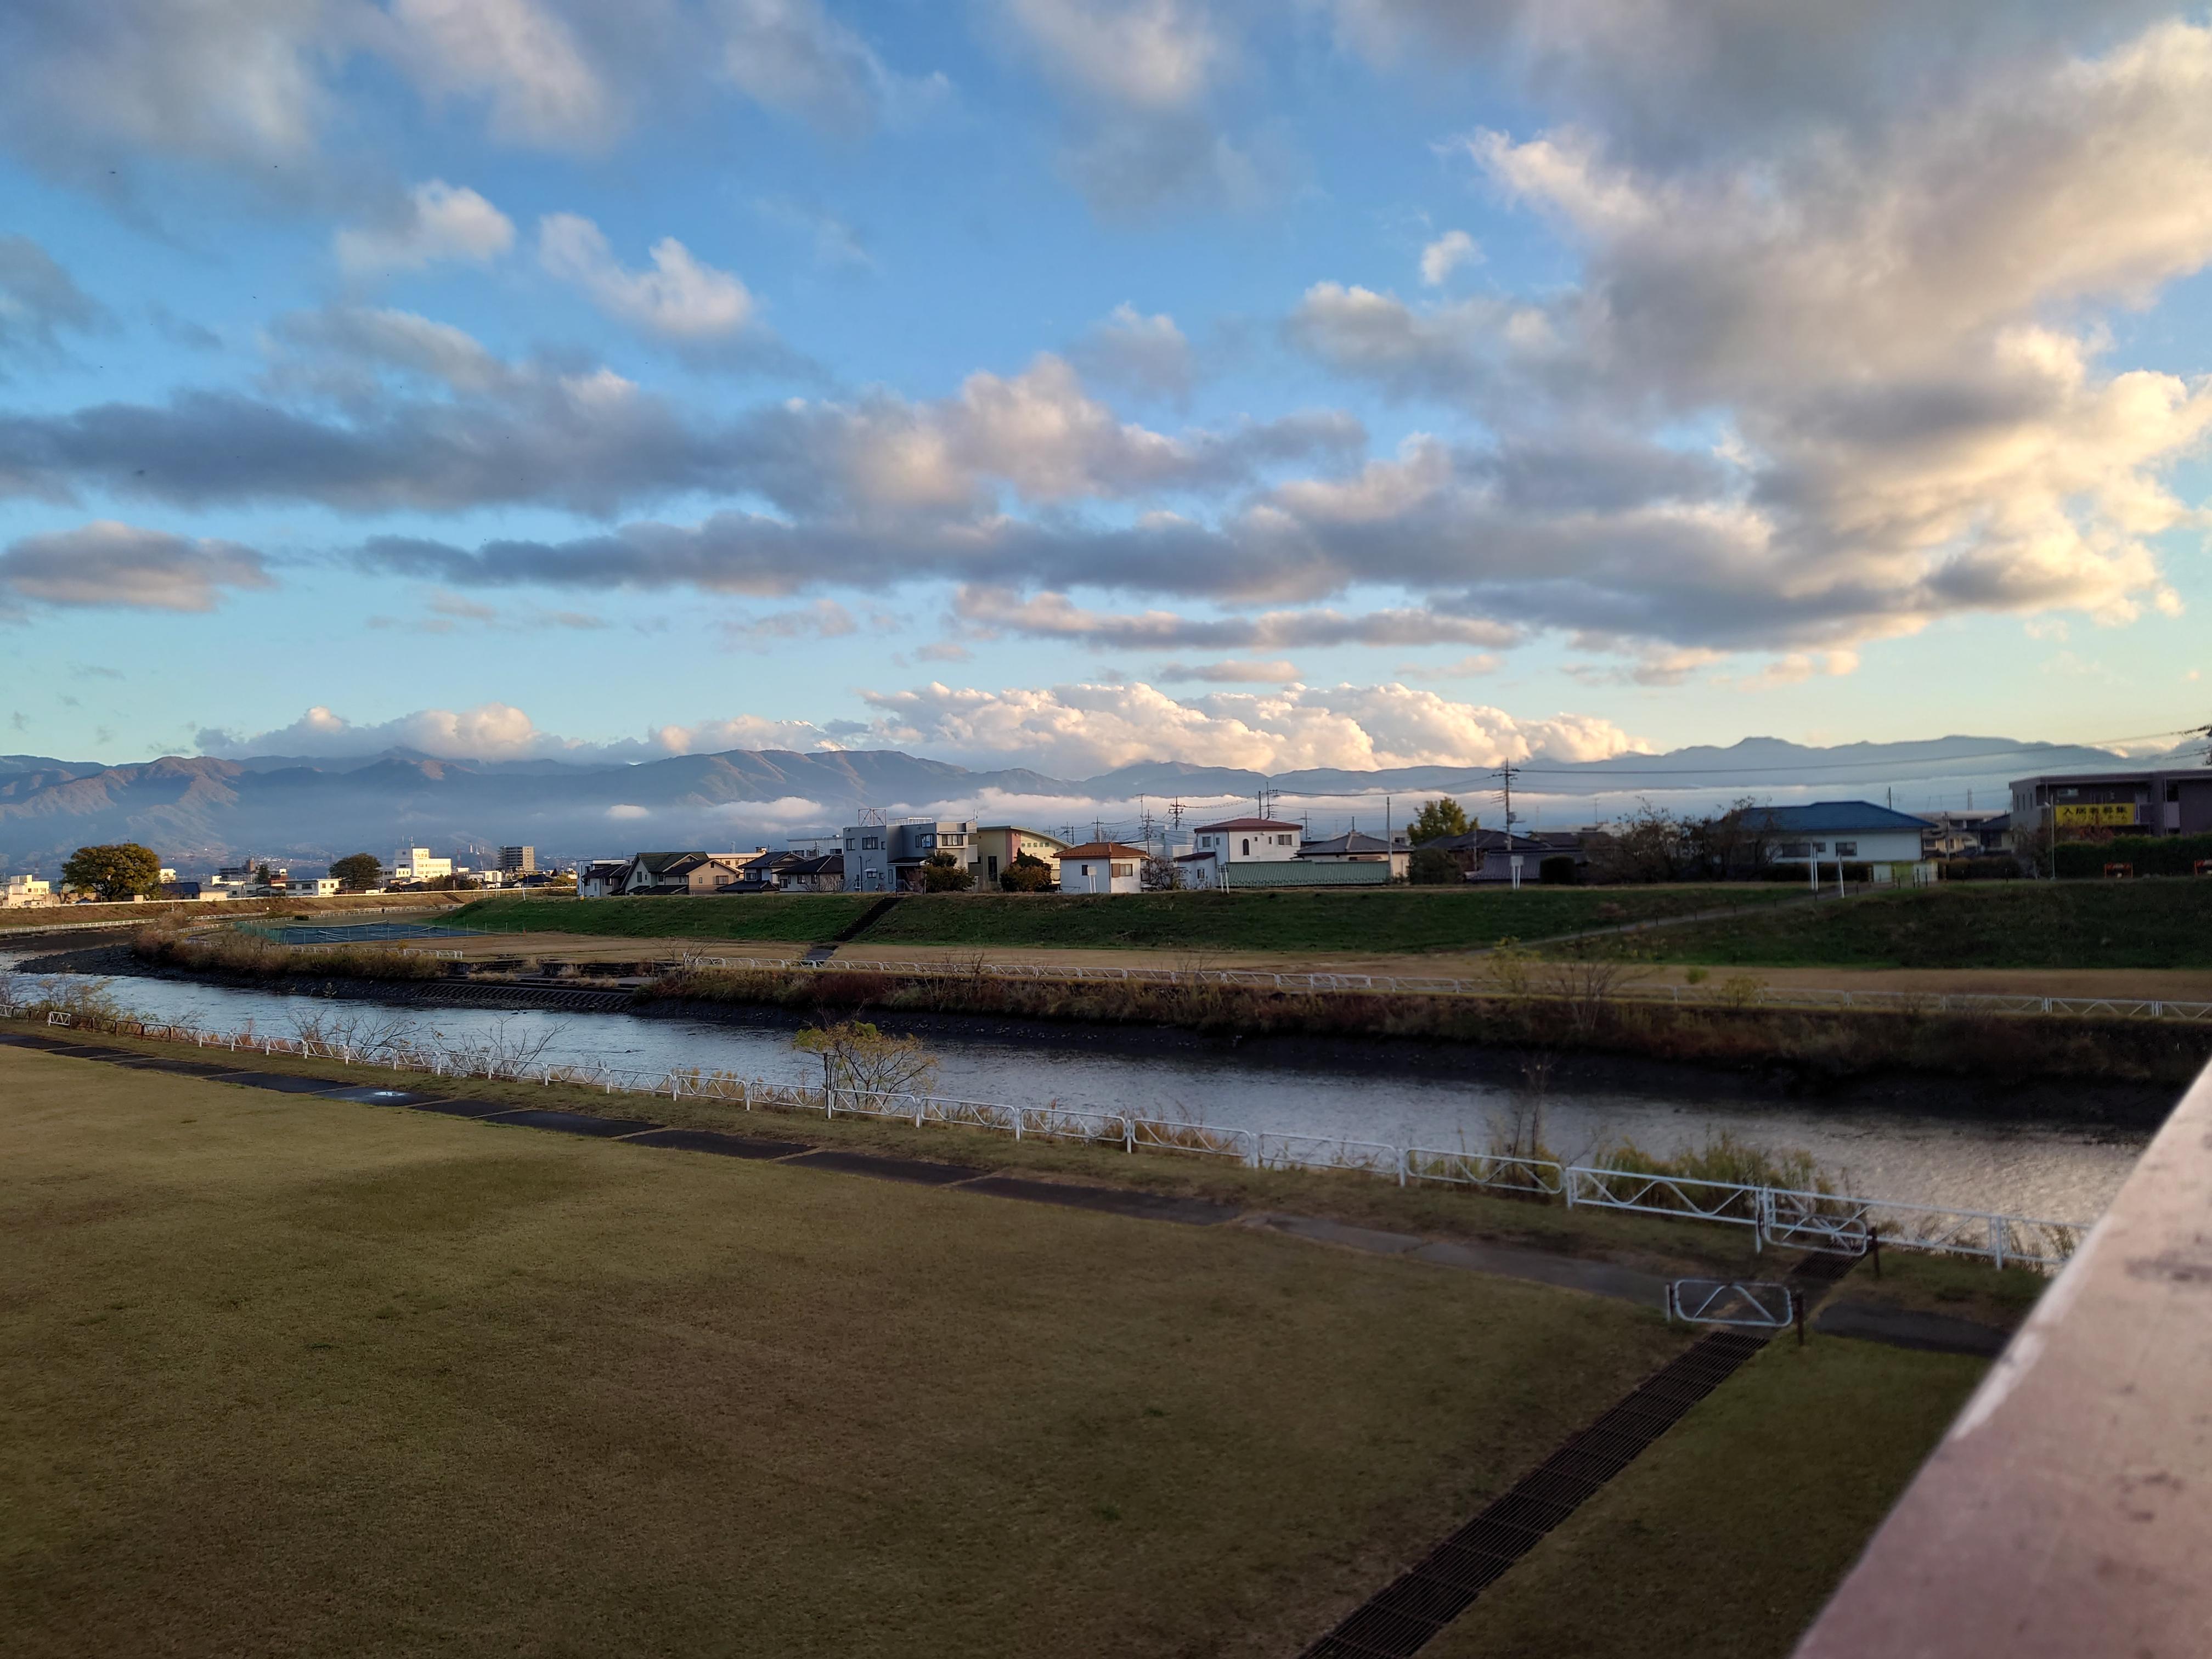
[(2048, 1170)]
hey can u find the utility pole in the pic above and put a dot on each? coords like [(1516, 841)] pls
[(1506, 773)]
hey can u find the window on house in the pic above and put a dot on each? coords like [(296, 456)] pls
[(1125, 869), (1248, 846), (1847, 849)]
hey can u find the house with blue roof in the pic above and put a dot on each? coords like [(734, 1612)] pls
[(1846, 831)]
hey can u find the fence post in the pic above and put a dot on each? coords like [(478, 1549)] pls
[(1567, 1185), (748, 1094), (1401, 1165), (1996, 1240), (1129, 1135)]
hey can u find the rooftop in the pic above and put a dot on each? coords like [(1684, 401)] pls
[(1252, 824), (1821, 816)]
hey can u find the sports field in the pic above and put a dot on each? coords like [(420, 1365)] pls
[(291, 1376)]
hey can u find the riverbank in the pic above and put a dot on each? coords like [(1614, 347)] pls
[(2110, 1071)]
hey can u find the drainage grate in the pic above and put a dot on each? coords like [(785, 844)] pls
[(1399, 1619)]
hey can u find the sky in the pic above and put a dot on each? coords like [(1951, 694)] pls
[(1065, 383)]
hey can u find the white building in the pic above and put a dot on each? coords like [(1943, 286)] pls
[(311, 887), (1102, 866), (1830, 832), (1237, 841), (26, 893), (416, 864)]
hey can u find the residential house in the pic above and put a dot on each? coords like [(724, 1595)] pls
[(867, 854), (1843, 831), (1961, 834), (1488, 854), (1216, 846), (679, 875), (311, 887), (601, 878), (1353, 846), (1102, 866), (914, 842), (823, 872), (998, 845)]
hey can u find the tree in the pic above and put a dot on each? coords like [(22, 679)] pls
[(265, 875), (1437, 819), (859, 1059), (357, 873), (123, 870), (946, 874), (1432, 866), (1028, 873)]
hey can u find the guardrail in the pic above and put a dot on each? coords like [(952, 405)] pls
[(1787, 1217), (1722, 995)]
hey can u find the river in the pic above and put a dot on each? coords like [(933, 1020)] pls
[(2053, 1171)]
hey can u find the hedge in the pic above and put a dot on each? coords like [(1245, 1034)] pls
[(2151, 855)]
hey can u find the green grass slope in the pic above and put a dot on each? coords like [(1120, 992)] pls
[(289, 1377), (2116, 924), (1393, 920), (1724, 1538)]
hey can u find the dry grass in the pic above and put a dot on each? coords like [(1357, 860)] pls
[(296, 1377), (1723, 1539), (225, 952)]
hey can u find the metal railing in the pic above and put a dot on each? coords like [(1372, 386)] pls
[(1787, 1217), (1750, 1303), (1722, 995)]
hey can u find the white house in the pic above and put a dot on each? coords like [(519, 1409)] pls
[(1102, 866), (1842, 832), (1237, 841)]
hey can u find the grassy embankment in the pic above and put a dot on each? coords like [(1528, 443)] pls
[(2161, 923), (1581, 1015), (290, 1375), (86, 915), (1388, 921), (1583, 1012), (1963, 1288), (1726, 1538)]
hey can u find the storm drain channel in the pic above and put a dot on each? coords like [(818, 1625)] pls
[(1399, 1619)]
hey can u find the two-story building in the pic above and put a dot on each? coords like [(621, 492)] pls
[(2152, 801), (998, 845)]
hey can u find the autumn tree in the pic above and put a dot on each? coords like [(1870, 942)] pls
[(1028, 873), (121, 871), (1436, 820)]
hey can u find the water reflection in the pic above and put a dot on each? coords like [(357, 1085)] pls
[(2028, 1167)]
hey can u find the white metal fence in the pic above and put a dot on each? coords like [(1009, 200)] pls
[(1717, 995), (1785, 1217)]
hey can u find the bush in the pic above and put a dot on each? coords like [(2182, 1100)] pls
[(1432, 866), (946, 874), (1028, 873), (1558, 871), (2152, 855), (2003, 867)]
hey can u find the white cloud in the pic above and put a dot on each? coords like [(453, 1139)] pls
[(520, 56), (791, 56), (1446, 255), (1147, 355), (438, 221), (1054, 616), (1071, 730), (739, 731), (107, 563), (1280, 671), (678, 299), (1149, 54), (626, 812)]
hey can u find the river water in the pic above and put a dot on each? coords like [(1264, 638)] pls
[(2052, 1172)]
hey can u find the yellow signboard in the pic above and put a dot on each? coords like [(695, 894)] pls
[(2099, 814)]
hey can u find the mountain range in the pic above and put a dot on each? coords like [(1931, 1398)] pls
[(198, 811)]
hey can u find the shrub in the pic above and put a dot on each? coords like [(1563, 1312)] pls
[(1557, 871), (2003, 867), (1432, 866), (1028, 873), (946, 874), (2151, 855)]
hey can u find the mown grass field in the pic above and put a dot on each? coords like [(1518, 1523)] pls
[(2152, 923), (1726, 1538), (1393, 920), (287, 1375)]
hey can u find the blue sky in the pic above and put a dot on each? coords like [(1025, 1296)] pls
[(1066, 382)]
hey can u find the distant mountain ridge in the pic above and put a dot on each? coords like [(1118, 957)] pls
[(198, 810)]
